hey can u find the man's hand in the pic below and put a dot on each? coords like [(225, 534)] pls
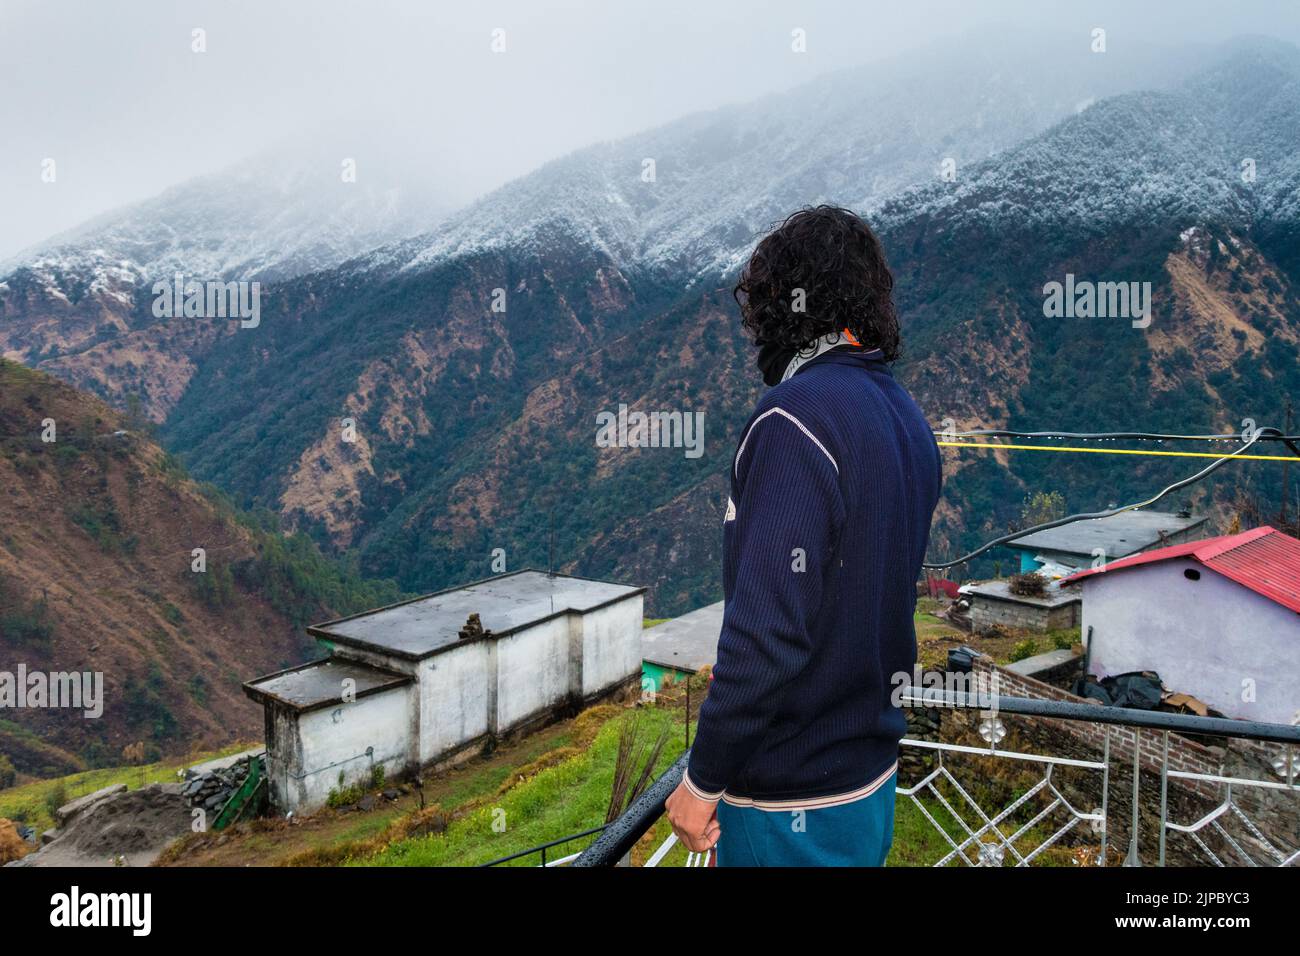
[(695, 821)]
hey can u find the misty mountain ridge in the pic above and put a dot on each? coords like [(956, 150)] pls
[(269, 218), (854, 137)]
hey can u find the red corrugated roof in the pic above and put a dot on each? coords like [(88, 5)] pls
[(1264, 560)]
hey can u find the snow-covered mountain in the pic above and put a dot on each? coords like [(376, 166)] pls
[(1220, 144), (471, 419), (79, 304), (855, 137), (274, 216)]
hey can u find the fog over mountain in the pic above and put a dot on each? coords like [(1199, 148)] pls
[(278, 214), (685, 199), (126, 106), (855, 137), (992, 163)]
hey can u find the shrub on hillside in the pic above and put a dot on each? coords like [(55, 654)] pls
[(1025, 649), (23, 622), (56, 797), (12, 846)]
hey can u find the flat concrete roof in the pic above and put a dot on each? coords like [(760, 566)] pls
[(1119, 535), (320, 683), (685, 643), (1001, 591), (505, 604)]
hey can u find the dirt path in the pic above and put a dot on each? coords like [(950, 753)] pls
[(127, 829)]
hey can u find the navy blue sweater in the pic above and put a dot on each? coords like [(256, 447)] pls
[(833, 486)]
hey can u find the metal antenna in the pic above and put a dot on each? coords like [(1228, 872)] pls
[(550, 561), (1286, 467)]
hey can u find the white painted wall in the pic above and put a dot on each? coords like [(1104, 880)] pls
[(608, 655), (1204, 637), (333, 741), (533, 669), (453, 698)]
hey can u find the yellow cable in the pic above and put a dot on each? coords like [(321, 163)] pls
[(1116, 451)]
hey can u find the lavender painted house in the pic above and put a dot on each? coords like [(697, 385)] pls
[(1218, 619)]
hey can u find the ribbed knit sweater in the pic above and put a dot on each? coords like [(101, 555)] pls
[(833, 486)]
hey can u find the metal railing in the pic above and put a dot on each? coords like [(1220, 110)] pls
[(992, 853), (542, 849), (988, 839)]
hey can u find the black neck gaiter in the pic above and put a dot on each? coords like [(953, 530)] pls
[(772, 361)]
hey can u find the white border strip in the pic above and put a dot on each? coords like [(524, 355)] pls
[(798, 424)]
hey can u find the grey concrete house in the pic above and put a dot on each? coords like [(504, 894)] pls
[(680, 647), (1080, 544), (418, 685)]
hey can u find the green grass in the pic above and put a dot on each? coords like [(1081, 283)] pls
[(564, 799), (486, 781), (916, 841), (27, 802)]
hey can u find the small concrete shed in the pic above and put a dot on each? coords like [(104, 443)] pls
[(1083, 544), (409, 686), (993, 603)]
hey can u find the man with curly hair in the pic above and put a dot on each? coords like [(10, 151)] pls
[(833, 486)]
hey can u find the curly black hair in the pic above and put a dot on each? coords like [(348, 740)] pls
[(836, 260)]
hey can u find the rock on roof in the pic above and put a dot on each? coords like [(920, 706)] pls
[(1000, 590)]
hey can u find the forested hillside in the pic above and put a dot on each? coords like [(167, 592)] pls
[(98, 528)]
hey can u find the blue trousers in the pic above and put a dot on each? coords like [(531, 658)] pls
[(852, 834)]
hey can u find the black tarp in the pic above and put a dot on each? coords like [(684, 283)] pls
[(1139, 690)]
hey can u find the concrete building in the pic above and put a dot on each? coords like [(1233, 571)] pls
[(1218, 619), (416, 686), (1078, 545), (680, 647), (992, 603)]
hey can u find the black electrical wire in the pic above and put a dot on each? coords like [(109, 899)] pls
[(1132, 436), (1271, 434)]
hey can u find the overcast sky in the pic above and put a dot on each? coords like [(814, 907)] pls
[(112, 91)]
